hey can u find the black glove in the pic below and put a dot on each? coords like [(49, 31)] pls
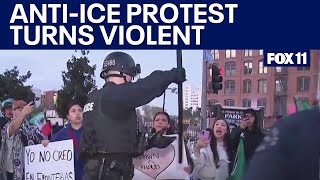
[(160, 141), (142, 144), (179, 75)]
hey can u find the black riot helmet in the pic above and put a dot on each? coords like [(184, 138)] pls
[(119, 62)]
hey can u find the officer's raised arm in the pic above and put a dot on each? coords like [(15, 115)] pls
[(110, 138), (118, 71)]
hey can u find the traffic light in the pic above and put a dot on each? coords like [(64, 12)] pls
[(216, 79)]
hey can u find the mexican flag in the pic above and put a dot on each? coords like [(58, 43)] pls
[(240, 163), (39, 121), (302, 104)]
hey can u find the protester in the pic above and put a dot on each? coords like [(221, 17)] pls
[(232, 126), (47, 129), (290, 150), (162, 122), (251, 133), (110, 120), (212, 155), (56, 128), (72, 131), (6, 112), (15, 136)]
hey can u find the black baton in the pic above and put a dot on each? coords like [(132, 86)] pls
[(180, 108)]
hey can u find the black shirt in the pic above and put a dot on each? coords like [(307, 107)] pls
[(3, 121), (252, 140)]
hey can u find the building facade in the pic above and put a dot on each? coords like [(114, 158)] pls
[(191, 97), (49, 99), (37, 96), (247, 83)]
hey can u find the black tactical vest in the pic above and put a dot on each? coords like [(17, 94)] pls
[(108, 127)]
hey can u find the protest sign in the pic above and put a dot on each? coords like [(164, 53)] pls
[(233, 115), (159, 163), (56, 161)]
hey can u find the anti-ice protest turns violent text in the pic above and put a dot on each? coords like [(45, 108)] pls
[(121, 24)]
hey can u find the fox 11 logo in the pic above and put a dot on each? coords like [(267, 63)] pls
[(293, 59)]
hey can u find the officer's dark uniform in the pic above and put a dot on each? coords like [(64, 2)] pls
[(290, 151), (109, 139)]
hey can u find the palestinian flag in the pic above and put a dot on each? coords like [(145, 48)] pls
[(239, 166), (302, 104)]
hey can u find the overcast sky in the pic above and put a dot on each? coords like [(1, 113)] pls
[(46, 67)]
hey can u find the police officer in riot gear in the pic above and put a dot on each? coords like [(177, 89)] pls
[(109, 140)]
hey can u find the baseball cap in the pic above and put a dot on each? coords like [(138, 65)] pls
[(18, 104), (7, 103)]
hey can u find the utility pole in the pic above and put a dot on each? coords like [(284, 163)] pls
[(173, 90), (204, 95), (216, 84)]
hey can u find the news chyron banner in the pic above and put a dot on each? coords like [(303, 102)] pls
[(286, 29), (110, 24)]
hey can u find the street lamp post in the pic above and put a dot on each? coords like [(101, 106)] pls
[(173, 90)]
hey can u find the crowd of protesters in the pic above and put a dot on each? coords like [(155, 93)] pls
[(212, 158)]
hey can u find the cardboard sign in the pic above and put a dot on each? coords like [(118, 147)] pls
[(163, 163), (56, 161)]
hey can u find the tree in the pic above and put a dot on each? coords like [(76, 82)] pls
[(150, 111), (155, 110), (147, 112), (139, 116), (196, 116), (41, 108), (12, 85), (193, 115), (174, 118), (187, 113), (79, 81)]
